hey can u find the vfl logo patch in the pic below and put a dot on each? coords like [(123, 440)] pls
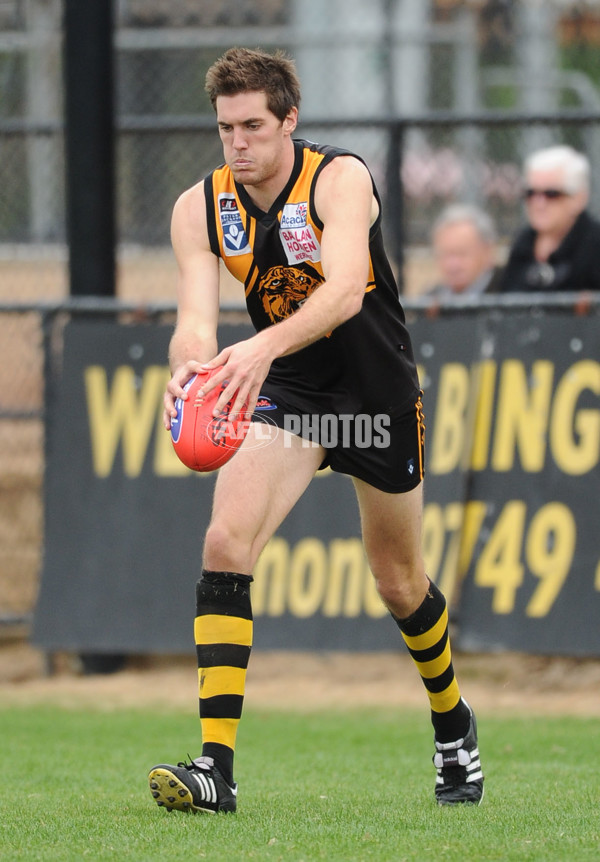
[(410, 466), (235, 241), (297, 236)]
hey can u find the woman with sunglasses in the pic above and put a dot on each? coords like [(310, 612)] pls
[(558, 249)]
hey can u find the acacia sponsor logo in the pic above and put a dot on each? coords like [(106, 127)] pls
[(294, 215)]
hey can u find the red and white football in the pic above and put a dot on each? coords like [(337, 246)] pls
[(204, 442)]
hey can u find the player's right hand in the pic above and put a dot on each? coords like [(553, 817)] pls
[(175, 388)]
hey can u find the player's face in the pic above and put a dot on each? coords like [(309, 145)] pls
[(552, 215), (255, 141)]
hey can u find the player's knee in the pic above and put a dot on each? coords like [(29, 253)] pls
[(224, 550), (390, 592), (402, 588)]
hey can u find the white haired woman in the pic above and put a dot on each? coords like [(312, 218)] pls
[(558, 249)]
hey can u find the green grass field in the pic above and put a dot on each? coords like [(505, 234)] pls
[(348, 785)]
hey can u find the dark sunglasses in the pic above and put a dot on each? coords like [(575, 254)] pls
[(549, 194)]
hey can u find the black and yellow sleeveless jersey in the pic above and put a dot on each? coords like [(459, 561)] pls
[(367, 363)]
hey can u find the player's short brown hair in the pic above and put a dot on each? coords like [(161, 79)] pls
[(241, 70)]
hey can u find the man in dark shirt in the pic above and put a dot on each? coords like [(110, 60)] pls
[(560, 248)]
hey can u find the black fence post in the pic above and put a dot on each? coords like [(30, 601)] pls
[(89, 137)]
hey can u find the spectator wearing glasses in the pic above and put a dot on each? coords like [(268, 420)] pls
[(463, 241), (560, 247)]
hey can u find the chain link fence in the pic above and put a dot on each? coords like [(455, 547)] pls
[(443, 99), (21, 462)]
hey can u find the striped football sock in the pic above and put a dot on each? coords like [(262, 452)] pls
[(223, 635), (425, 633)]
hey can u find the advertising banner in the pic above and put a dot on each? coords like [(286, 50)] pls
[(530, 542), (512, 449)]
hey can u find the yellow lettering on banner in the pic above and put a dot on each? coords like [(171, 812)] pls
[(126, 414), (484, 383), (441, 543), (522, 416), (475, 512), (450, 418), (549, 553), (346, 576), (499, 565), (575, 435), (449, 537), (308, 573), (446, 580), (270, 578), (311, 577)]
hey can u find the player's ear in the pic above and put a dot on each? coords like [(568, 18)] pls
[(291, 121)]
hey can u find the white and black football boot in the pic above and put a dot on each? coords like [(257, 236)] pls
[(459, 774), (194, 786)]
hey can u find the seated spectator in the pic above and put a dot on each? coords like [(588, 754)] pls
[(464, 246), (560, 247)]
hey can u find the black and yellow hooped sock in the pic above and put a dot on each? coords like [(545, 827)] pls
[(223, 635), (425, 633)]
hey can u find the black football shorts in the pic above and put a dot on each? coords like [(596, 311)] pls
[(384, 451)]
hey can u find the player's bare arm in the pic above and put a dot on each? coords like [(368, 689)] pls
[(346, 205), (195, 338)]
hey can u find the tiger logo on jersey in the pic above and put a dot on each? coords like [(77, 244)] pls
[(283, 289)]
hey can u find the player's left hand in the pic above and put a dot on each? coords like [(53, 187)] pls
[(243, 367)]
